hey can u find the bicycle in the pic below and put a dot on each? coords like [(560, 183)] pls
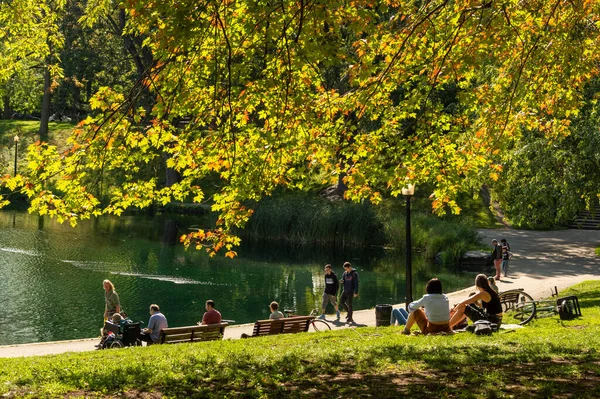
[(518, 306), (315, 324)]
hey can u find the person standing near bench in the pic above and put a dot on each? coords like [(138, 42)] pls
[(330, 294), (350, 283), (111, 300), (212, 316), (157, 322)]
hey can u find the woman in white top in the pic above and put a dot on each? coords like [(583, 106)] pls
[(436, 316)]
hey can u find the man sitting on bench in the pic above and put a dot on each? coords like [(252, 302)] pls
[(212, 316), (157, 322)]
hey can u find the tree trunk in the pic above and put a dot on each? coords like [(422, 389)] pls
[(341, 186), (172, 177), (43, 132), (6, 113)]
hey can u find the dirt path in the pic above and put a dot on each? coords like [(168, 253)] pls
[(542, 260)]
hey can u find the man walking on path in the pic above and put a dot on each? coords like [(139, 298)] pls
[(330, 295), (350, 282)]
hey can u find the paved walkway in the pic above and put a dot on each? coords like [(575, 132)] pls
[(542, 260)]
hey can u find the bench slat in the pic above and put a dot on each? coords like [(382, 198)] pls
[(209, 332), (289, 325)]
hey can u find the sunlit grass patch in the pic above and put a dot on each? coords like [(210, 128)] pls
[(547, 358)]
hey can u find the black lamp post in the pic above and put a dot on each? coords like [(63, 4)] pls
[(408, 192), (16, 139)]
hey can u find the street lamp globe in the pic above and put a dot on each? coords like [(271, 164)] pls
[(408, 190)]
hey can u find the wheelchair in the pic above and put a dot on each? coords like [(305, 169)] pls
[(120, 336)]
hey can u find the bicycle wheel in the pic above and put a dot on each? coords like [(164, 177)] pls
[(320, 325), (116, 344), (517, 306)]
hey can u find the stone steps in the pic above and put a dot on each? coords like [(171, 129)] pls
[(587, 220)]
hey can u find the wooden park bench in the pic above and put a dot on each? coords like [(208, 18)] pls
[(287, 325), (175, 335)]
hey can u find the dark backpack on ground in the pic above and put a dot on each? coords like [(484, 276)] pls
[(482, 327)]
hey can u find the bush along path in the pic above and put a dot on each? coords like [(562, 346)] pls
[(548, 358)]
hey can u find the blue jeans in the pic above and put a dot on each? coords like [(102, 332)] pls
[(504, 267), (399, 315)]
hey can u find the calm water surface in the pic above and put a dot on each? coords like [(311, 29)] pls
[(51, 286)]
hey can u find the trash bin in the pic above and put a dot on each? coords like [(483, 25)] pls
[(383, 314)]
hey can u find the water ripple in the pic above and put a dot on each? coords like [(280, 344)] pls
[(109, 267), (21, 251), (171, 279)]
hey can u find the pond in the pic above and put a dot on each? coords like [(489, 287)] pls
[(52, 275)]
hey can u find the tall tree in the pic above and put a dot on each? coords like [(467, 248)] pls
[(250, 78), (30, 35)]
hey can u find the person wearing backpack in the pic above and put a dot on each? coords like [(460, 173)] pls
[(490, 309), (350, 283)]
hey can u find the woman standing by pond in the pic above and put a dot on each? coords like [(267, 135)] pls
[(111, 298)]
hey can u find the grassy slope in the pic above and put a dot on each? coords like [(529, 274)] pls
[(548, 358), (28, 134)]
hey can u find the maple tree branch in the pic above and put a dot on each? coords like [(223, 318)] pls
[(229, 85), (522, 67), (397, 55)]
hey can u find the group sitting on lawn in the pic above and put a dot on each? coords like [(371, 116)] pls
[(432, 312)]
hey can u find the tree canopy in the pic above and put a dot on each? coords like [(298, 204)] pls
[(266, 94)]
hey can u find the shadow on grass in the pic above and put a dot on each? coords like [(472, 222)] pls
[(539, 380)]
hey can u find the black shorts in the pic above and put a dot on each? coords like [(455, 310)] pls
[(474, 313)]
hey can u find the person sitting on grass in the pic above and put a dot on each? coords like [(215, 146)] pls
[(491, 308), (275, 313), (436, 317)]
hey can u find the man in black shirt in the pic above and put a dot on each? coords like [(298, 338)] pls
[(330, 294)]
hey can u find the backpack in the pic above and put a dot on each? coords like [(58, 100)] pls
[(482, 327)]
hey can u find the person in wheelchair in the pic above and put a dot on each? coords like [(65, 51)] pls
[(111, 327), (119, 332)]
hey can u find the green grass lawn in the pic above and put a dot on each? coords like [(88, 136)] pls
[(28, 134), (548, 358)]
